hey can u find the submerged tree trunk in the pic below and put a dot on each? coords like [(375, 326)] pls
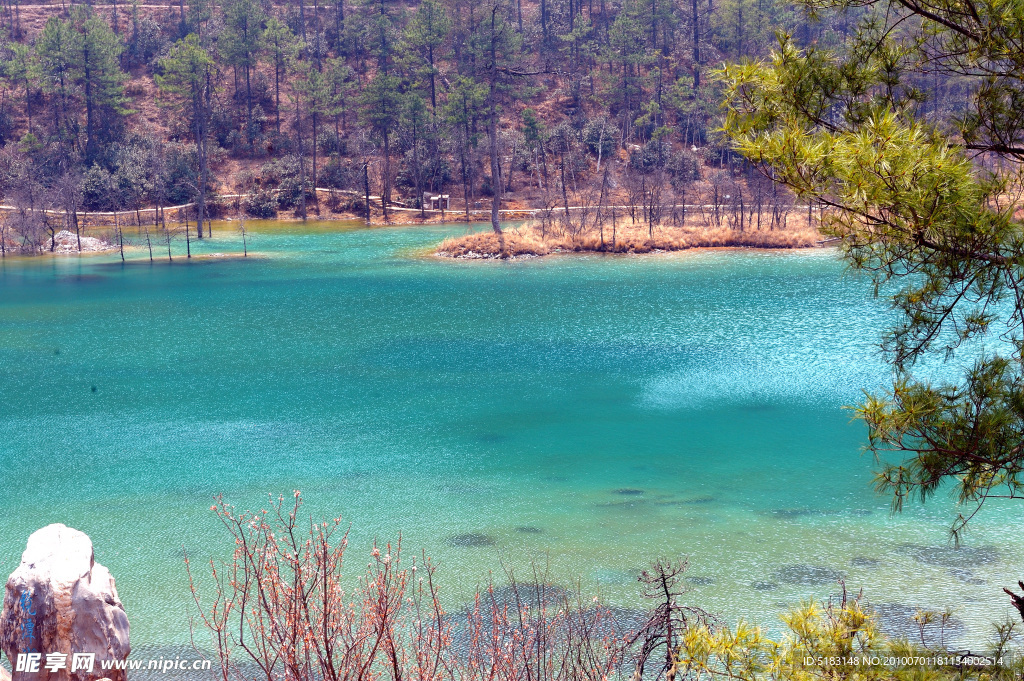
[(366, 189), (120, 234), (200, 106)]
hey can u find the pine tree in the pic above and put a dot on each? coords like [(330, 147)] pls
[(466, 102), (98, 72), (381, 103), (57, 50), (627, 46), (414, 119), (20, 69), (186, 82), (240, 42), (923, 216), (424, 35), (320, 99), (381, 99), (281, 46)]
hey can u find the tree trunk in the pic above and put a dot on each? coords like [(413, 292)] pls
[(366, 189), (86, 73), (696, 49), (277, 93), (200, 128), (419, 174), (120, 235), (492, 134), (465, 179), (248, 102), (433, 87), (316, 198), (385, 195), (302, 161), (339, 24)]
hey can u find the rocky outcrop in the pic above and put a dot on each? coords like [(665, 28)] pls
[(62, 606), (68, 242)]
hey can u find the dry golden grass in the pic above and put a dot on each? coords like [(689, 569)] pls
[(531, 240)]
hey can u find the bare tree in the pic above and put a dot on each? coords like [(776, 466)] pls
[(279, 609), (668, 621)]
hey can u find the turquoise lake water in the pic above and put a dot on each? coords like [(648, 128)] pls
[(592, 412)]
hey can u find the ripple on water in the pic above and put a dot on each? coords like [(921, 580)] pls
[(470, 539), (899, 620), (966, 576), (614, 576), (788, 513), (625, 504), (864, 562), (951, 557), (807, 575), (764, 586)]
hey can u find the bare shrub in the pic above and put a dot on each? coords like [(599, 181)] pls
[(279, 609)]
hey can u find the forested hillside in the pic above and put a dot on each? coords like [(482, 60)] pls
[(125, 106)]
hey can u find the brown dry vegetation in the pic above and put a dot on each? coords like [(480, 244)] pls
[(533, 239)]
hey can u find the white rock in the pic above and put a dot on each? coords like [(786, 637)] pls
[(67, 242), (60, 600)]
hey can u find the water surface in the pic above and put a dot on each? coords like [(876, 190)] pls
[(590, 412)]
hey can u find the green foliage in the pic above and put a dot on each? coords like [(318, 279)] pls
[(180, 174), (96, 188), (424, 36), (98, 74), (833, 642), (922, 217), (381, 103), (261, 204), (185, 77), (649, 157), (284, 174), (18, 69), (240, 40), (144, 41), (240, 44), (78, 59), (339, 174), (281, 47)]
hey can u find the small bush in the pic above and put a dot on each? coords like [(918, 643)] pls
[(600, 136), (96, 188), (216, 208), (262, 204), (339, 174), (330, 143), (684, 167)]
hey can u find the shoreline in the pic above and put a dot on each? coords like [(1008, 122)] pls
[(524, 241), (534, 240)]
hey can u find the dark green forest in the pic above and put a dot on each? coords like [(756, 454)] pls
[(501, 103)]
